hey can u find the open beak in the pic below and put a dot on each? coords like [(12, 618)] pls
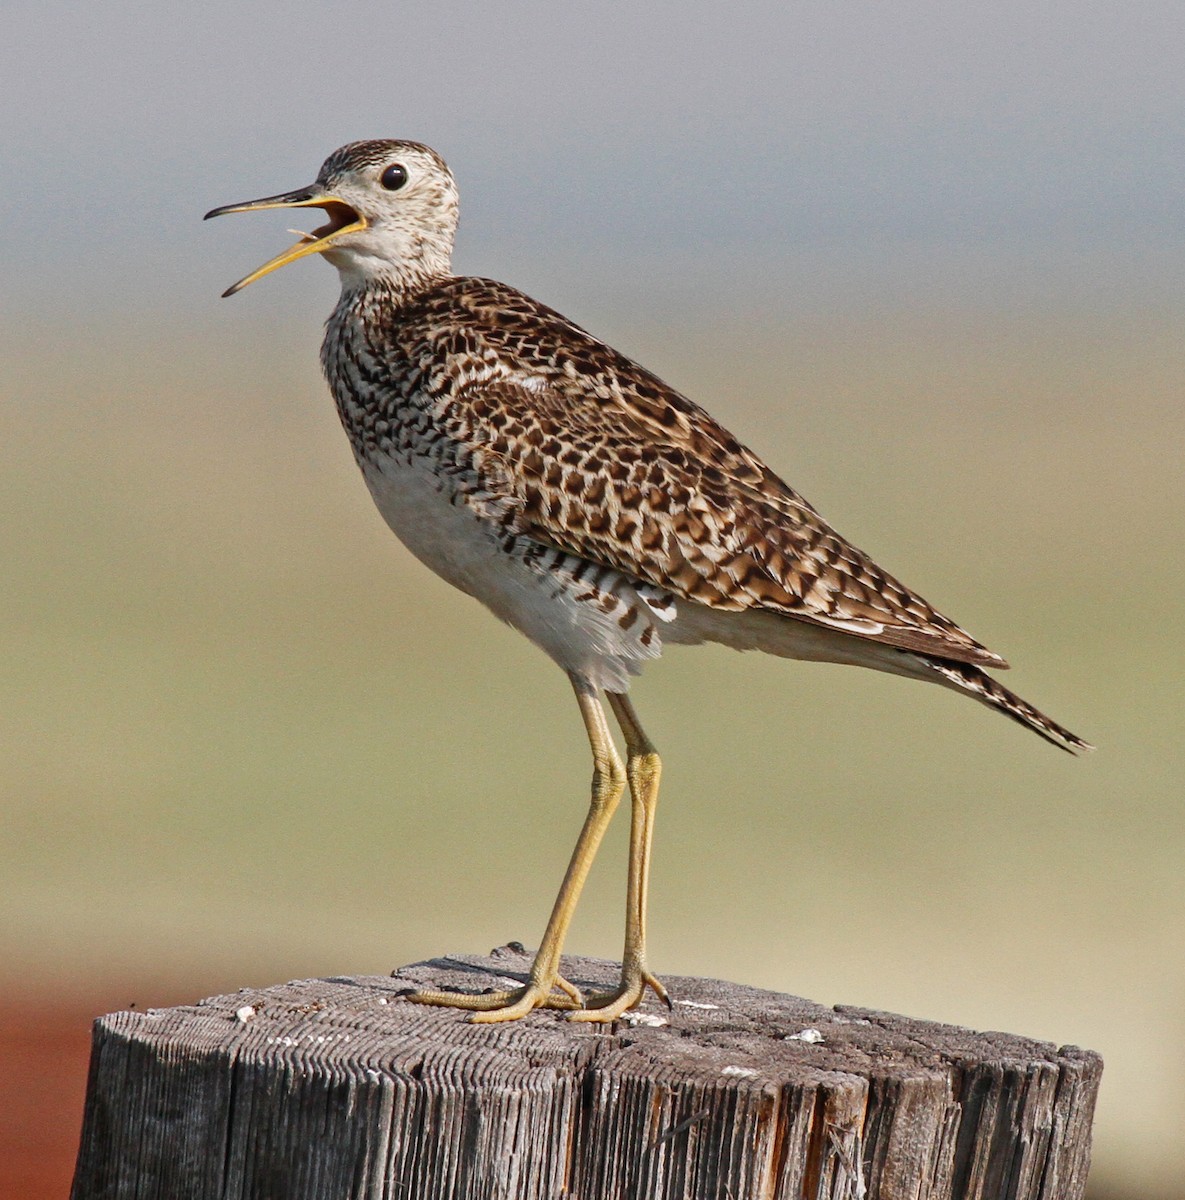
[(342, 220)]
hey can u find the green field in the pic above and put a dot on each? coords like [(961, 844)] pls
[(247, 738)]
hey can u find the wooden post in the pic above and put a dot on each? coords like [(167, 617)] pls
[(338, 1089)]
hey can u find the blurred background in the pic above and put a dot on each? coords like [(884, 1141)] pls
[(925, 258)]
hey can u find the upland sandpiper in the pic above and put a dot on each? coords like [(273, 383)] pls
[(584, 502)]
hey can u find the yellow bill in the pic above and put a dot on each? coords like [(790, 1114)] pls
[(342, 220)]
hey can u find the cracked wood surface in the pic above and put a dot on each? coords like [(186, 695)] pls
[(328, 1088)]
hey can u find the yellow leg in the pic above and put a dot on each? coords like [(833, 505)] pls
[(609, 778), (643, 769)]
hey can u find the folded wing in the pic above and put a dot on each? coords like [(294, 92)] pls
[(628, 473)]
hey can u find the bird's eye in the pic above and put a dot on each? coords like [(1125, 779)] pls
[(394, 177)]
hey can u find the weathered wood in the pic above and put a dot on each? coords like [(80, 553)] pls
[(331, 1088)]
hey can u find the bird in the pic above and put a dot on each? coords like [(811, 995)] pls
[(587, 504)]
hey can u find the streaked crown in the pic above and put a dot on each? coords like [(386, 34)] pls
[(392, 209), (407, 199)]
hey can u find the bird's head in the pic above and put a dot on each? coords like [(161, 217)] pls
[(392, 209)]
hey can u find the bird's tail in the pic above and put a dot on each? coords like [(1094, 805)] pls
[(977, 683)]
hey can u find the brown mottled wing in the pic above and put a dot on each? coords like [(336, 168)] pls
[(620, 469), (579, 448)]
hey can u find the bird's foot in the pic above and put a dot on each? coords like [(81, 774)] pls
[(489, 1007), (608, 1006)]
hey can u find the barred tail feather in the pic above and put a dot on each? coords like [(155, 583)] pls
[(977, 683)]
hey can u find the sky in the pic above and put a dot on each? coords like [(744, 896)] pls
[(842, 145)]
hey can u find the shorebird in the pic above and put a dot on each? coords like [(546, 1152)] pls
[(587, 504)]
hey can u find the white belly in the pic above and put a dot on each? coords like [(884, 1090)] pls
[(446, 537), (543, 598)]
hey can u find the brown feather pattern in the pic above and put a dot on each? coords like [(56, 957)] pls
[(535, 423)]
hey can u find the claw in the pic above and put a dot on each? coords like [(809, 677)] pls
[(570, 989), (608, 1006), (520, 1003), (489, 1007)]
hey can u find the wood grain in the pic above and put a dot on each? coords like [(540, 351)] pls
[(339, 1087)]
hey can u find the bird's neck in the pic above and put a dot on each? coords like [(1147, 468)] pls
[(387, 291), (398, 264)]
